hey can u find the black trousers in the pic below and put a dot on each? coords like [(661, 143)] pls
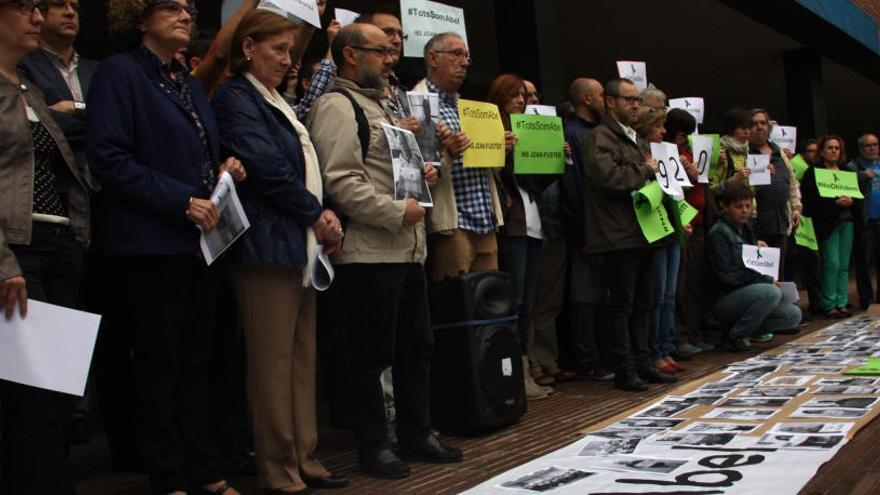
[(630, 292), (388, 304), (34, 454), (806, 264), (158, 323)]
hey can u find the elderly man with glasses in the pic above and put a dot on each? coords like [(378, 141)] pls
[(868, 167)]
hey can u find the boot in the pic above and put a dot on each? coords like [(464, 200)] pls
[(533, 390)]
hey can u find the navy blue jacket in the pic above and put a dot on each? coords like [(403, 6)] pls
[(724, 255), (144, 149), (274, 195)]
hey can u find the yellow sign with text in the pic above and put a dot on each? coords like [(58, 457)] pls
[(481, 122)]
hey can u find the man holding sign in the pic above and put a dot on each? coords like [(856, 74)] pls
[(466, 207), (744, 300), (615, 168), (831, 199)]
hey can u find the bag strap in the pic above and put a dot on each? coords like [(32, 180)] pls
[(360, 117)]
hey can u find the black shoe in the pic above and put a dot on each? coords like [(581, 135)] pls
[(328, 482), (595, 374), (629, 381), (304, 491), (429, 450), (384, 463), (738, 344), (680, 356), (652, 375), (788, 331)]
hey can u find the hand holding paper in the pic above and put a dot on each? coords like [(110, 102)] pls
[(759, 170)]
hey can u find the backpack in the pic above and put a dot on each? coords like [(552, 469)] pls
[(360, 117)]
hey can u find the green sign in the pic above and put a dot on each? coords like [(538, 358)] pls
[(652, 217), (800, 166), (837, 183), (686, 212), (805, 235), (871, 368), (539, 145)]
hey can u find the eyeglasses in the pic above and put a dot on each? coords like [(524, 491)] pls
[(629, 99), (61, 4), (389, 31), (381, 51), (458, 54), (870, 145), (26, 7), (175, 8)]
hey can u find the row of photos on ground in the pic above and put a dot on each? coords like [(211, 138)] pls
[(746, 400)]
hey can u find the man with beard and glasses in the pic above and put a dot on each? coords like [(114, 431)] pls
[(380, 266), (614, 168)]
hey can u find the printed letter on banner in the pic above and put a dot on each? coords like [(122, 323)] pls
[(784, 136), (671, 175), (762, 259), (705, 148), (650, 213), (693, 105), (540, 144), (481, 122), (422, 19), (836, 183)]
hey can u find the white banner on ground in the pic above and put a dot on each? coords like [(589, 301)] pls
[(422, 19), (762, 259), (637, 72), (759, 165), (693, 105), (784, 137)]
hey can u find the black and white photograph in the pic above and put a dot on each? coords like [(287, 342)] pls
[(845, 402), (742, 414), (811, 428), (640, 464), (625, 433), (705, 399), (792, 441), (231, 224), (790, 381), (664, 410), (848, 380), (689, 438), (807, 412), (409, 168), (597, 447), (547, 479), (844, 390), (719, 428), (647, 423), (717, 387), (755, 402), (816, 370), (774, 392), (425, 107)]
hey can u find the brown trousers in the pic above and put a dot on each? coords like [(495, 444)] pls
[(460, 252), (279, 328)]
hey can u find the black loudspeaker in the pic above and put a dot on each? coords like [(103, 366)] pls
[(477, 374)]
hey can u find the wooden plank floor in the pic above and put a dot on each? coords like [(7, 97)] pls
[(548, 425)]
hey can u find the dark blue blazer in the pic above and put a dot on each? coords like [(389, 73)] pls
[(143, 147), (39, 68), (274, 195)]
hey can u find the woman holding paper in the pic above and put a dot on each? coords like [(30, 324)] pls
[(153, 146), (834, 220), (44, 228), (520, 240), (666, 261), (733, 164), (272, 276)]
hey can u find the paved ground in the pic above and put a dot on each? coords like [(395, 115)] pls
[(548, 425)]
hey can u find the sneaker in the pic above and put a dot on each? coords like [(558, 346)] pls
[(737, 343), (689, 349), (764, 337)]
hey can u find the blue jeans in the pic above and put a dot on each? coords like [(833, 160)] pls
[(664, 269), (755, 309), (520, 257)]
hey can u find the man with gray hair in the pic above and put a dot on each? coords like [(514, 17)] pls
[(466, 211), (653, 98), (867, 165), (379, 268)]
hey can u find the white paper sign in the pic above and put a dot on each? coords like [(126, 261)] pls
[(759, 165), (51, 348), (637, 72), (422, 19), (790, 292), (232, 224), (785, 137), (761, 259), (693, 105), (541, 110), (345, 17), (322, 270), (671, 175), (702, 151), (306, 10), (408, 166)]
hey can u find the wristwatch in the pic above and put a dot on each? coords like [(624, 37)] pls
[(79, 109)]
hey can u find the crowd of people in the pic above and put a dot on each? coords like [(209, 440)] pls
[(106, 175)]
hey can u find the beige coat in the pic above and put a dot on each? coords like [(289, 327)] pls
[(363, 190)]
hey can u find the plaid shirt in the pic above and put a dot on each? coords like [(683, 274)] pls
[(473, 198), (321, 82)]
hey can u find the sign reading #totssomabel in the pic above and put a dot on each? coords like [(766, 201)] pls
[(422, 19), (481, 122)]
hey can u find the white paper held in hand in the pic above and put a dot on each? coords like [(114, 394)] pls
[(789, 292), (322, 270), (702, 151), (693, 105), (671, 174), (306, 10), (232, 224), (759, 166), (50, 349), (540, 110), (761, 259), (637, 72), (785, 137), (344, 16)]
